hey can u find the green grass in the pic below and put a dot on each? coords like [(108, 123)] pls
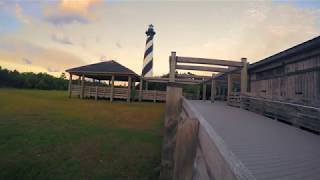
[(45, 135)]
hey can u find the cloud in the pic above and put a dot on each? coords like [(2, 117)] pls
[(26, 61), (20, 15), (70, 11), (61, 39), (103, 58), (37, 56), (118, 45), (50, 69)]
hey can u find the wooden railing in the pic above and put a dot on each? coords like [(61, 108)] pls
[(192, 150), (306, 117), (234, 99), (119, 93), (76, 90), (154, 95)]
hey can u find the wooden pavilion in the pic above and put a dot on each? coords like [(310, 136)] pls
[(104, 71)]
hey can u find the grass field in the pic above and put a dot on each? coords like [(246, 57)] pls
[(45, 135)]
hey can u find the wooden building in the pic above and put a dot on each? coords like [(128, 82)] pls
[(292, 75)]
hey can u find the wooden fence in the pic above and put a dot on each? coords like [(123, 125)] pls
[(154, 95), (119, 93), (306, 117), (234, 99), (192, 150)]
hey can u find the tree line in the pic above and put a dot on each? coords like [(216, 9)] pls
[(30, 80)]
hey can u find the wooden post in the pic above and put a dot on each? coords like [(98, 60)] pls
[(186, 148), (70, 85), (82, 87), (213, 89), (172, 114), (229, 86), (204, 91), (155, 96), (198, 92), (244, 76), (96, 96), (147, 84), (173, 62), (129, 88), (140, 89), (112, 88)]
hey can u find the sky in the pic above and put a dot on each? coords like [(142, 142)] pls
[(54, 35)]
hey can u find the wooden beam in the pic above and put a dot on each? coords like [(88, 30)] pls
[(160, 79), (244, 76), (192, 76), (172, 66), (219, 62), (112, 88), (202, 68), (70, 85), (82, 87), (129, 88)]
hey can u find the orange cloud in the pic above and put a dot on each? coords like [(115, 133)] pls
[(81, 7)]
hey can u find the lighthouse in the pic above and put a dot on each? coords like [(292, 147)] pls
[(148, 54)]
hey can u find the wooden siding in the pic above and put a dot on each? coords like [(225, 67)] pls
[(296, 82)]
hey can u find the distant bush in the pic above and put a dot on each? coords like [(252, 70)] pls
[(30, 80)]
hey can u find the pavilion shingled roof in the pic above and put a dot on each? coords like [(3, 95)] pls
[(99, 70)]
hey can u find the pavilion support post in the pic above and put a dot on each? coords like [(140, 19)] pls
[(82, 87), (229, 89), (79, 80), (198, 92), (244, 76), (140, 89), (213, 89), (70, 85), (204, 91), (96, 95), (147, 84), (155, 96), (172, 115), (129, 88), (173, 62), (112, 88)]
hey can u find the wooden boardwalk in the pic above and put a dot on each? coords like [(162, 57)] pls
[(266, 148)]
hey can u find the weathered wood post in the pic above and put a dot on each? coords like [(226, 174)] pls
[(96, 95), (244, 76), (204, 91), (129, 88), (198, 92), (112, 88), (229, 86), (213, 88), (140, 88), (155, 96), (82, 87), (172, 114), (70, 85), (172, 63)]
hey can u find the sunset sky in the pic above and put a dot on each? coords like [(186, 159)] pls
[(52, 36)]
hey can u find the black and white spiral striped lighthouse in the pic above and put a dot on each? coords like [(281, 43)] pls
[(148, 54)]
